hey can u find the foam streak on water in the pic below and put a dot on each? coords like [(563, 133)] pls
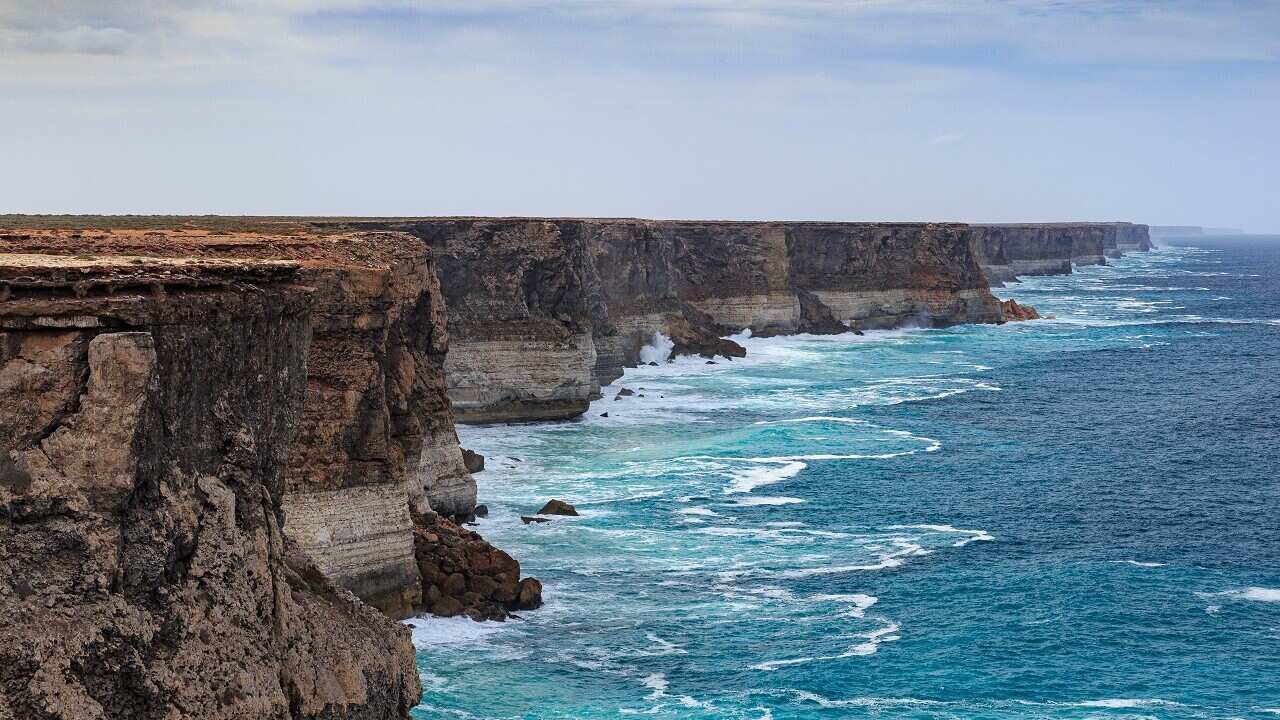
[(1063, 519)]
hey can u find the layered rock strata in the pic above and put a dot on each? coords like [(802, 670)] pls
[(1009, 251), (152, 406), (544, 311)]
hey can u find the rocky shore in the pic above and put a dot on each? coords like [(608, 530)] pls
[(228, 461)]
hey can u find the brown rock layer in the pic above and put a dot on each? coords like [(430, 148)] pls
[(1007, 251), (543, 311), (151, 405)]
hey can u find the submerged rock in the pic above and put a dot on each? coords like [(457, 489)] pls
[(558, 507), (526, 519)]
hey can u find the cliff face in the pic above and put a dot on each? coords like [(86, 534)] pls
[(1008, 251), (543, 311), (151, 407), (375, 444)]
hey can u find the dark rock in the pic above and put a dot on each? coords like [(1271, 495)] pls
[(653, 364), (447, 607), (473, 461), (530, 595), (455, 584), (481, 511), (526, 519), (462, 574), (711, 362), (558, 507), (604, 414), (624, 392), (816, 317)]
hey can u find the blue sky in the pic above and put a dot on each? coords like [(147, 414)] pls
[(811, 109)]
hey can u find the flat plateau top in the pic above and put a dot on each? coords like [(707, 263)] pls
[(304, 225), (207, 251)]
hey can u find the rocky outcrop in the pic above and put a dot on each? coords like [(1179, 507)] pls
[(544, 311), (1014, 312), (152, 405), (462, 574)]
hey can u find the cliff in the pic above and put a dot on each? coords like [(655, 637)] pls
[(1008, 251), (543, 311), (151, 407), (223, 443)]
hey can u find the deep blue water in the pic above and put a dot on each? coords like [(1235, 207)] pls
[(1069, 518)]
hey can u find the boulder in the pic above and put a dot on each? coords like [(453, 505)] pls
[(462, 574), (481, 511), (526, 519), (447, 607), (558, 507), (473, 461), (530, 595)]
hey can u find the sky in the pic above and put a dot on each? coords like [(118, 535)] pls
[(1158, 112)]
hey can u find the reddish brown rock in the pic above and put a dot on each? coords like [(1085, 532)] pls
[(558, 507), (462, 574), (1013, 312)]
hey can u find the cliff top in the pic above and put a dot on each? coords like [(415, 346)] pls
[(299, 226), (91, 248)]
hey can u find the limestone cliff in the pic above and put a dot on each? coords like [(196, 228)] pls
[(542, 311), (1008, 251), (151, 407)]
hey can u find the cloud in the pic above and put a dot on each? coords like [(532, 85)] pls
[(908, 109)]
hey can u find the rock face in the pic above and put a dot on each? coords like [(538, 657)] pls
[(376, 443), (1012, 250), (151, 407), (545, 311)]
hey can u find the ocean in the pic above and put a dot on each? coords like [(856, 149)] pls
[(1066, 518)]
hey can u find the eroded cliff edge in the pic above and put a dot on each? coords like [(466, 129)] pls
[(150, 408), (543, 311), (1007, 251), (304, 371)]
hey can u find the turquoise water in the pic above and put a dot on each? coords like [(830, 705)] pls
[(1070, 518)]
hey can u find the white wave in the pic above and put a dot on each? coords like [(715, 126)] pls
[(661, 646), (658, 350), (973, 535), (746, 480), (1253, 594), (870, 644), (434, 631), (1126, 703), (831, 456), (657, 682), (827, 703), (1138, 563), (1257, 594)]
